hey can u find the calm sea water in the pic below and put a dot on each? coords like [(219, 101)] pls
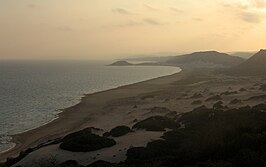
[(33, 92)]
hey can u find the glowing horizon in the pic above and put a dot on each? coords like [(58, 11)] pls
[(104, 30)]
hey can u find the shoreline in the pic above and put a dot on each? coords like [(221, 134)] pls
[(49, 131), (175, 97)]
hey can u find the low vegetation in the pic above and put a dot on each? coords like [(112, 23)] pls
[(227, 93), (120, 131), (242, 90), (260, 97), (211, 138), (263, 87), (218, 105), (196, 102), (235, 101), (156, 123), (85, 141), (159, 110), (197, 96), (214, 98), (235, 137)]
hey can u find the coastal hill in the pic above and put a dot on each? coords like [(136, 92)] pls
[(121, 63), (126, 63), (256, 65), (206, 59)]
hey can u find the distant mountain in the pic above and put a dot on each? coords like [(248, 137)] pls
[(245, 55), (256, 65), (210, 59), (121, 63), (207, 59)]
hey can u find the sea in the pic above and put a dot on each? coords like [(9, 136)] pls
[(33, 92)]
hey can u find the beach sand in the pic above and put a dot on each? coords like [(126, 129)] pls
[(86, 113), (121, 106)]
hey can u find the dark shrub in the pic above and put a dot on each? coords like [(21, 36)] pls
[(214, 98), (120, 131), (160, 110), (2, 165), (235, 137), (260, 107), (197, 102), (135, 153), (260, 97), (235, 101), (196, 96), (171, 114), (85, 141), (156, 123), (242, 90), (106, 134), (263, 87), (218, 105), (229, 93), (248, 158)]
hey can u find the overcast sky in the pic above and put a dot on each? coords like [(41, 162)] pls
[(105, 29)]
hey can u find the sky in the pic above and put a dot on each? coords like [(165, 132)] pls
[(107, 29)]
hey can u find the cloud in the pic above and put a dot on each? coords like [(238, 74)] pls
[(150, 7), (152, 22), (197, 19), (130, 24), (259, 3), (250, 17), (236, 6), (246, 12), (143, 22), (255, 4), (176, 10), (122, 11)]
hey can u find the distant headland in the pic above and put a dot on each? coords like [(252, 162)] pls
[(121, 63)]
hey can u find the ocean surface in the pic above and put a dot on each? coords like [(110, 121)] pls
[(33, 92)]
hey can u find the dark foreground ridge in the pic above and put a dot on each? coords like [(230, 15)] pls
[(211, 137)]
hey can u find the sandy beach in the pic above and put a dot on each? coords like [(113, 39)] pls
[(181, 93), (86, 113)]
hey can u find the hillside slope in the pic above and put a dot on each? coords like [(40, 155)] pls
[(206, 59), (256, 65)]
